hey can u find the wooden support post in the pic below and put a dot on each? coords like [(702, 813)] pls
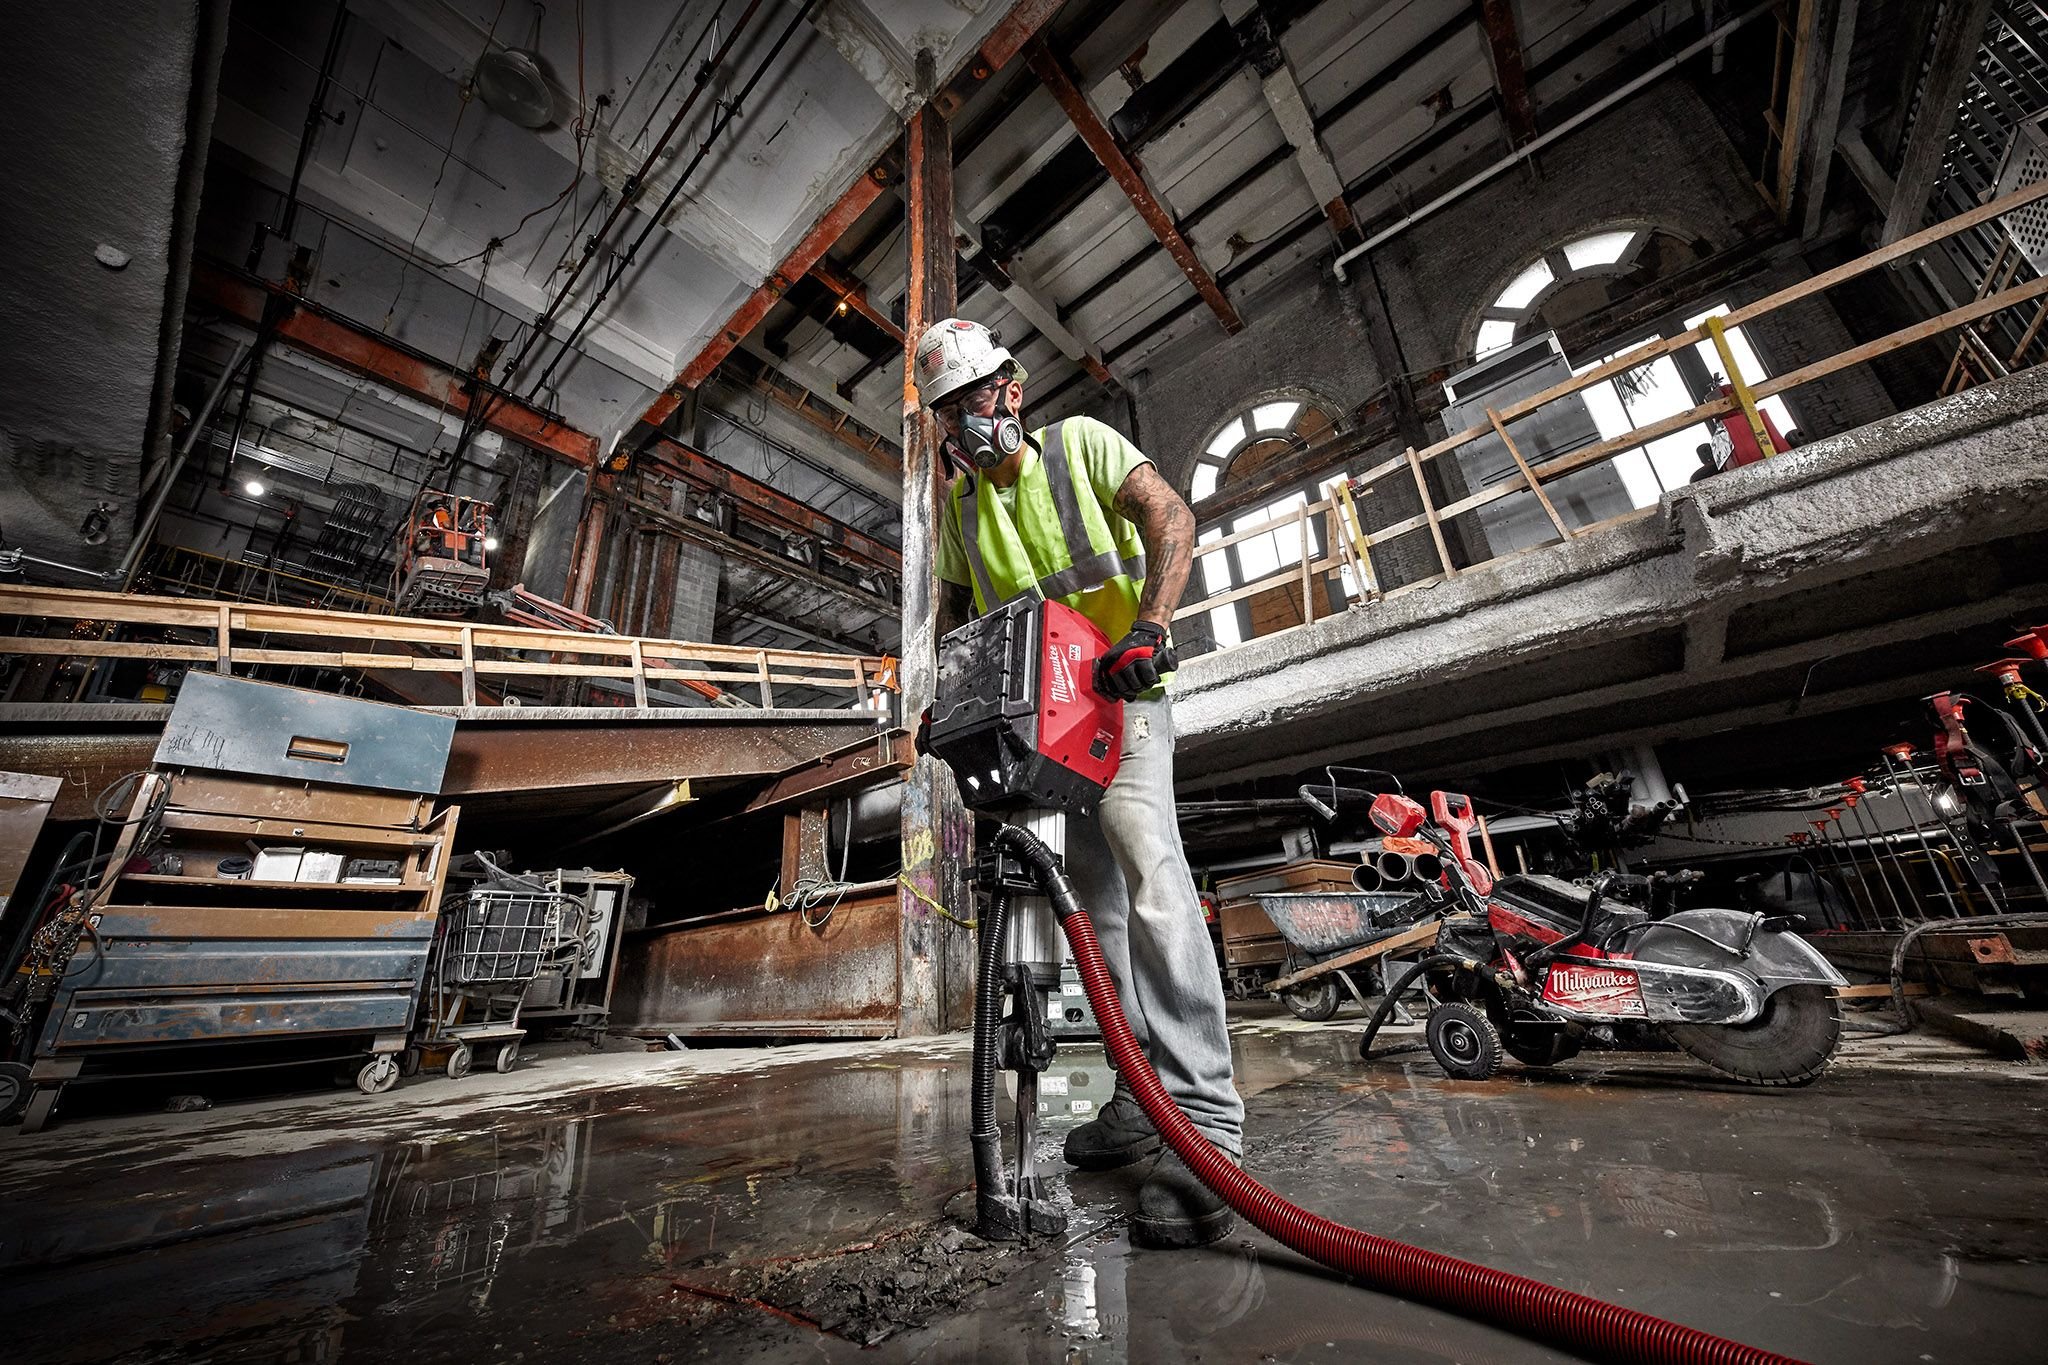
[(1308, 610), (224, 650), (1955, 43), (586, 557), (1535, 486), (767, 688), (469, 665), (1436, 530), (639, 676), (1824, 34), (935, 958)]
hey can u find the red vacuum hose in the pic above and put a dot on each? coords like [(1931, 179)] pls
[(1604, 1331)]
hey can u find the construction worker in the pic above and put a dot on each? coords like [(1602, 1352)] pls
[(1075, 512)]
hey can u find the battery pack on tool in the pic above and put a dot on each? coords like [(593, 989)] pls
[(1017, 717)]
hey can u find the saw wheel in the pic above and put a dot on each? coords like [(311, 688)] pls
[(1790, 1043)]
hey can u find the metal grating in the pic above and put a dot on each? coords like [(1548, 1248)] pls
[(2007, 92), (2026, 163)]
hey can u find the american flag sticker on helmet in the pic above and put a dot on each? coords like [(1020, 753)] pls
[(928, 358)]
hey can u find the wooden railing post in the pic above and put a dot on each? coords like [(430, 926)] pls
[(469, 665), (1308, 611), (1436, 530)]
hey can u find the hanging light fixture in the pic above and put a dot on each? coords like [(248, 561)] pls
[(93, 530)]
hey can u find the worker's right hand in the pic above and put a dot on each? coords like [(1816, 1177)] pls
[(1133, 665)]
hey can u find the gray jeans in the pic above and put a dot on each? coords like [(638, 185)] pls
[(1132, 875)]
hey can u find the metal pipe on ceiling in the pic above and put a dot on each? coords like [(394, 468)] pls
[(200, 422), (1523, 153)]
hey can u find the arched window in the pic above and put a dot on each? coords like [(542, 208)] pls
[(1239, 449), (1573, 282)]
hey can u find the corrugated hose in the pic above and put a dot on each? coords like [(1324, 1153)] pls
[(1601, 1331)]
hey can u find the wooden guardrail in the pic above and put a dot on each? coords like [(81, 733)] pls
[(224, 635), (1354, 545)]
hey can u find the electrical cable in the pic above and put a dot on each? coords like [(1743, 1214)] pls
[(1603, 1331), (722, 119), (542, 323)]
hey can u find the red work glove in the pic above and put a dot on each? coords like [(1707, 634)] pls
[(1134, 663)]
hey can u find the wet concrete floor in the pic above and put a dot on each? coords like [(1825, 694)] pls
[(773, 1204)]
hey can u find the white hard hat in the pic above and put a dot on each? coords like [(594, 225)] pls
[(955, 354)]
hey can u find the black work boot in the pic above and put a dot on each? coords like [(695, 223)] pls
[(1176, 1210), (1120, 1135)]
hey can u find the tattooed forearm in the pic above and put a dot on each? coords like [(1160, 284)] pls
[(1168, 529)]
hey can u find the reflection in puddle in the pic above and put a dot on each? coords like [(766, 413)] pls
[(1813, 1221), (1076, 1304)]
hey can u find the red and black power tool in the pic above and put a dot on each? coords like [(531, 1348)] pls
[(1017, 717), (1018, 720)]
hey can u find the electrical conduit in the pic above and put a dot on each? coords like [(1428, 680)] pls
[(1603, 1331)]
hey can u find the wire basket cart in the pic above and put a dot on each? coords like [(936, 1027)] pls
[(494, 941)]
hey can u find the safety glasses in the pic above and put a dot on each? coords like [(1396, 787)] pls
[(980, 398)]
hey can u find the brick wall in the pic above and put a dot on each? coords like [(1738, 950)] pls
[(698, 570), (1658, 159), (1302, 339)]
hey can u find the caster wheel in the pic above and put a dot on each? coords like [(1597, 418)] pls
[(14, 1090), (1463, 1041), (1313, 1002), (508, 1057), (459, 1062), (378, 1075), (409, 1062)]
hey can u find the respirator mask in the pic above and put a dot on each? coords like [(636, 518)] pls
[(986, 441)]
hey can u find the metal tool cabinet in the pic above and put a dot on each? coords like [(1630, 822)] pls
[(181, 964)]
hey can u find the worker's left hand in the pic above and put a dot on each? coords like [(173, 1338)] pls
[(1134, 663)]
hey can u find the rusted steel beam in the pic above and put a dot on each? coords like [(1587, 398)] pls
[(850, 769), (356, 348), (700, 469), (360, 351), (1509, 75), (1053, 74), (827, 230), (853, 294), (495, 758), (935, 971), (1005, 41)]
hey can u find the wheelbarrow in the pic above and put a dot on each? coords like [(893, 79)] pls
[(1333, 936)]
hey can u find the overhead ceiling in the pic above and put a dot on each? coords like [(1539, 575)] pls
[(411, 156)]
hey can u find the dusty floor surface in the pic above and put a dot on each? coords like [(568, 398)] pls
[(786, 1203)]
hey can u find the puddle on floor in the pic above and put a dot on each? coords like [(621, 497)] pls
[(796, 1210)]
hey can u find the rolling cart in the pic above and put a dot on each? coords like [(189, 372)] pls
[(494, 942)]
